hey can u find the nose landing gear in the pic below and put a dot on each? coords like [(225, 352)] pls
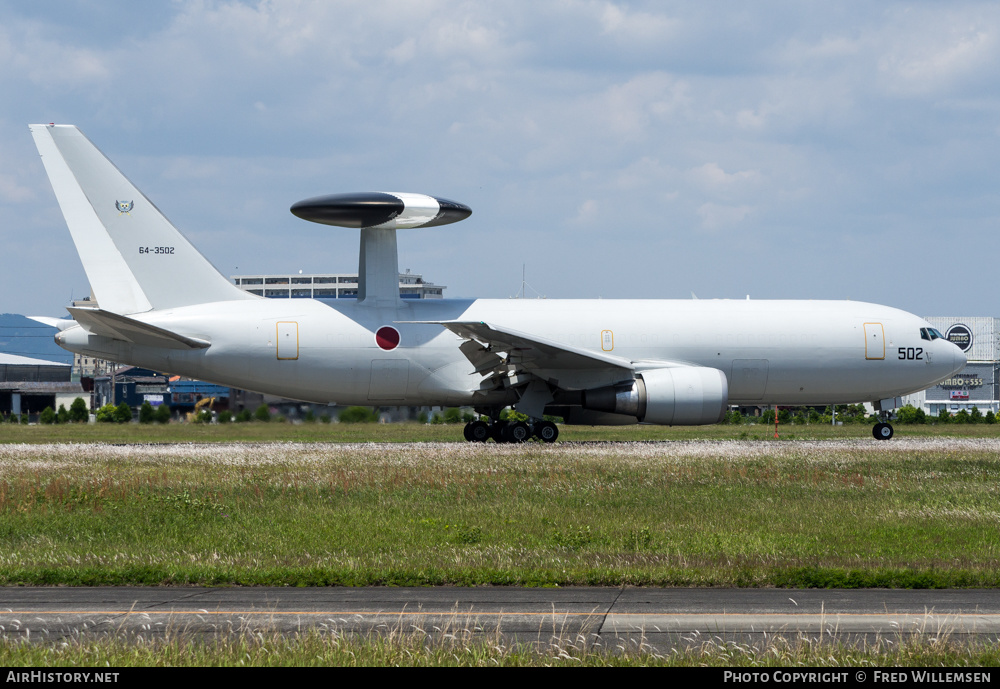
[(882, 431)]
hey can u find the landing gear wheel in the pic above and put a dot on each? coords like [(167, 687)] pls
[(467, 431), (477, 432), (516, 432), (497, 432), (882, 431), (546, 431)]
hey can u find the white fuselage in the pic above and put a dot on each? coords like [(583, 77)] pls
[(772, 352)]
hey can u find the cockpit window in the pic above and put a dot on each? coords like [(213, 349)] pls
[(935, 334), (930, 334), (925, 335)]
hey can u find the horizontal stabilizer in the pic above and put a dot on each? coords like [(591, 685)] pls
[(100, 322), (58, 323)]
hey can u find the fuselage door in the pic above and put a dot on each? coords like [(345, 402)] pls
[(748, 379), (607, 340), (389, 379), (288, 340), (874, 341)]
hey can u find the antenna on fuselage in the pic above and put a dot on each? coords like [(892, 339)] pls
[(523, 292), (378, 215)]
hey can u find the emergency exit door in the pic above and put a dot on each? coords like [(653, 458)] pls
[(288, 340), (874, 341)]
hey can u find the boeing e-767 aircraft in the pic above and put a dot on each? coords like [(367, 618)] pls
[(162, 305)]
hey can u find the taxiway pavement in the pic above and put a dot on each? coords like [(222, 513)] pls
[(611, 617)]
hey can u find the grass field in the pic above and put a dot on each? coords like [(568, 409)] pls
[(413, 432), (913, 512), (459, 649), (316, 504)]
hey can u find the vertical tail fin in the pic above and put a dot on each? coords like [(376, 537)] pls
[(135, 259)]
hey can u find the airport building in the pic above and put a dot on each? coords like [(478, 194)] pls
[(978, 384), (28, 385), (330, 286), (134, 385)]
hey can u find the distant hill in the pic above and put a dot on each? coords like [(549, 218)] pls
[(25, 337)]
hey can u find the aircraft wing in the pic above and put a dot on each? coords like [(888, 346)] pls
[(534, 352), (119, 327)]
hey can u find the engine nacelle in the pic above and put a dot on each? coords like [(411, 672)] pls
[(679, 396)]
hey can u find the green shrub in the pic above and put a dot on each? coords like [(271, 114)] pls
[(123, 413), (358, 415), (106, 414), (47, 416), (62, 416), (262, 413), (910, 415), (225, 416), (78, 411), (163, 414), (146, 413), (512, 416)]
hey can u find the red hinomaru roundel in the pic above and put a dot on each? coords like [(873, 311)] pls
[(387, 337)]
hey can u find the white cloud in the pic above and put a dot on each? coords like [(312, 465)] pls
[(546, 118), (716, 216), (587, 212), (934, 58), (47, 63), (642, 103), (12, 190), (618, 20), (712, 177)]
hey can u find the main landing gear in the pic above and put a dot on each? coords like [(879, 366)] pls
[(882, 431), (514, 432)]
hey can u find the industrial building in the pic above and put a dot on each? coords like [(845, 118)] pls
[(330, 286), (28, 385), (978, 385), (134, 385)]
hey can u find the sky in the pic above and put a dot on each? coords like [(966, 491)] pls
[(806, 150)]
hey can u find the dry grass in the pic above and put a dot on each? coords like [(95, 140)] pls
[(460, 644), (913, 512)]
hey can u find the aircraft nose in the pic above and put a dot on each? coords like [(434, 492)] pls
[(959, 359)]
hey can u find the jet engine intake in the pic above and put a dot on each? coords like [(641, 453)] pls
[(679, 396)]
